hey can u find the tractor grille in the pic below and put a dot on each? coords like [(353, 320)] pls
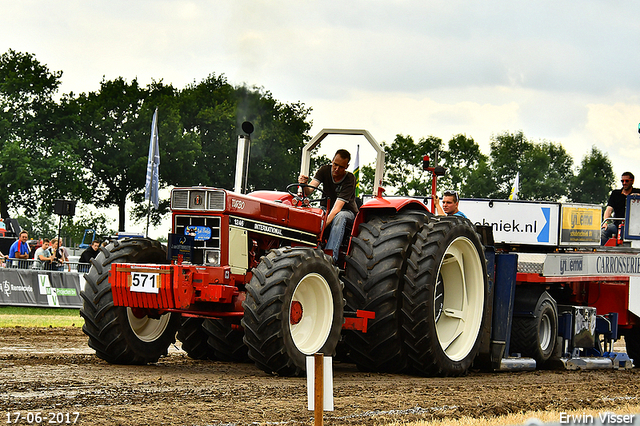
[(211, 222), (198, 199)]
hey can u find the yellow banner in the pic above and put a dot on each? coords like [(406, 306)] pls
[(580, 224)]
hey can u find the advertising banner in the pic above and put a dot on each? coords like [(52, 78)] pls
[(580, 224), (46, 289), (595, 264), (516, 222)]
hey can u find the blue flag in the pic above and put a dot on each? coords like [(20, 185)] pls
[(153, 165)]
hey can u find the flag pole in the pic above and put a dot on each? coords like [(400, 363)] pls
[(146, 234)]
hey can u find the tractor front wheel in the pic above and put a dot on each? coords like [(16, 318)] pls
[(294, 308), (121, 335)]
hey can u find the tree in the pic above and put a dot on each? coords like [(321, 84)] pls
[(403, 168), (367, 179), (207, 112), (38, 161), (213, 112), (281, 130), (461, 158), (507, 156), (594, 179), (545, 172), (480, 183), (545, 167), (88, 219), (179, 151), (115, 129)]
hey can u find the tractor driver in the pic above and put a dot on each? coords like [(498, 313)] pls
[(339, 186)]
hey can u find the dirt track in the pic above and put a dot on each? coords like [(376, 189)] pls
[(54, 371)]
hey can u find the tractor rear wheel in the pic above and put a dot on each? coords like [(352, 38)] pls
[(194, 339), (445, 297), (294, 308), (226, 339), (374, 279), (121, 335)]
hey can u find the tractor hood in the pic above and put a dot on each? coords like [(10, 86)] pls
[(271, 207)]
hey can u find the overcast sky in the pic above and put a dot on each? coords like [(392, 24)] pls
[(563, 71)]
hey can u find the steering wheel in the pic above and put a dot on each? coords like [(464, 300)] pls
[(299, 196)]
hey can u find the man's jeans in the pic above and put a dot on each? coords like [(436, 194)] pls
[(338, 226), (610, 231)]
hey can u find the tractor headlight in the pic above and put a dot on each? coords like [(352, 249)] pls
[(212, 257)]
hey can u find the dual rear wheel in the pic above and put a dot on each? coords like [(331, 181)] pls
[(425, 278)]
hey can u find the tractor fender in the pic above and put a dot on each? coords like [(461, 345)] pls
[(393, 203), (378, 206)]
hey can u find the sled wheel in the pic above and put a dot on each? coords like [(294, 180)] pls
[(226, 339), (194, 339), (120, 335), (535, 336), (445, 297), (294, 308), (632, 342), (374, 279)]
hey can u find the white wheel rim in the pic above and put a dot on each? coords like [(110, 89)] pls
[(545, 332), (462, 299), (147, 329), (310, 333)]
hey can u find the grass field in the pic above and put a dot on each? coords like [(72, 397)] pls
[(11, 316)]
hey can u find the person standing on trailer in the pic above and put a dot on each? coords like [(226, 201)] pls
[(340, 186), (450, 200), (617, 207)]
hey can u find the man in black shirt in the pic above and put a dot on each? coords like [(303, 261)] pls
[(340, 186), (617, 206), (86, 256)]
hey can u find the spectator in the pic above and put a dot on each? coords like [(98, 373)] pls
[(91, 252), (2, 224), (59, 255), (20, 249), (450, 200), (63, 249), (33, 246), (617, 207), (43, 256)]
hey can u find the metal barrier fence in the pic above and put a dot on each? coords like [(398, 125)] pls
[(46, 266)]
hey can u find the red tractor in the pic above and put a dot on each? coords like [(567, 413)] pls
[(244, 277)]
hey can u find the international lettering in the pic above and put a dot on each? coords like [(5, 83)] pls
[(267, 228)]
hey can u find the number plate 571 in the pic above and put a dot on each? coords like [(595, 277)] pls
[(143, 282)]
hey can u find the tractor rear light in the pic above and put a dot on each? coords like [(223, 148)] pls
[(212, 257)]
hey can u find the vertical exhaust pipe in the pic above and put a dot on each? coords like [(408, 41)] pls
[(242, 159)]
